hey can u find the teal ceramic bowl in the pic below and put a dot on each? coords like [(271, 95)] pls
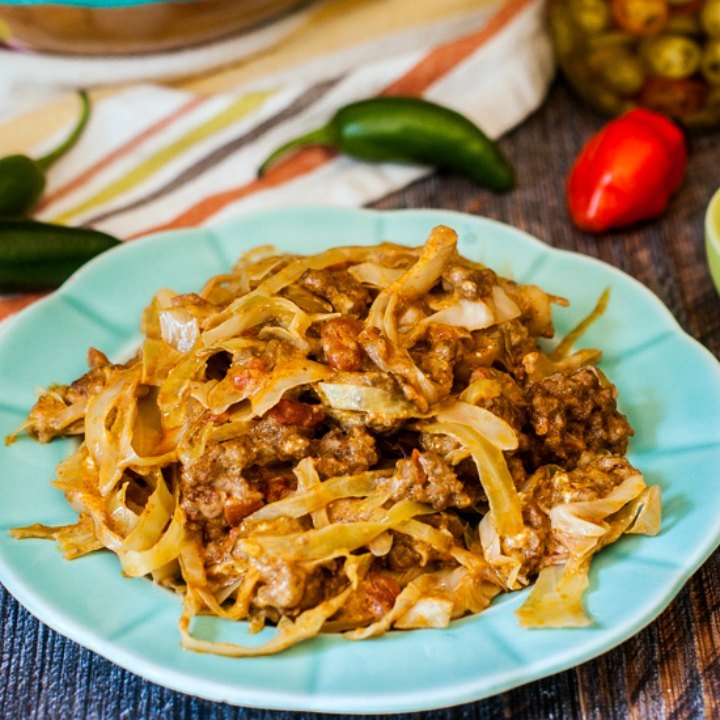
[(669, 387), (712, 238)]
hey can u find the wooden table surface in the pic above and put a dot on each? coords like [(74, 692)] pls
[(670, 670)]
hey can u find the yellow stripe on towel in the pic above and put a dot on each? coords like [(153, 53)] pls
[(234, 112)]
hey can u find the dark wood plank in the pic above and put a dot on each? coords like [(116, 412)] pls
[(704, 595), (642, 677), (679, 673)]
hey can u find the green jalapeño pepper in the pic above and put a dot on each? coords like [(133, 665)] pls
[(401, 129), (36, 255), (22, 179)]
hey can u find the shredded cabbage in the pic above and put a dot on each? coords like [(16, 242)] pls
[(324, 452), (313, 495), (179, 329), (336, 540), (365, 398), (556, 599), (493, 428), (468, 314), (374, 274), (494, 475), (74, 540), (290, 375), (109, 422), (581, 524)]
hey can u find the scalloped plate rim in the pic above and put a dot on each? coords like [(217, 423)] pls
[(427, 699)]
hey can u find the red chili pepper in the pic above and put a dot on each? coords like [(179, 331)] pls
[(626, 172)]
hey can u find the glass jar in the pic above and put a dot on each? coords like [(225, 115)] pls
[(660, 54), (106, 27)]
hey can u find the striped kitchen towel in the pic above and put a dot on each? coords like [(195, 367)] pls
[(157, 157)]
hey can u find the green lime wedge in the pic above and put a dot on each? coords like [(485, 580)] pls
[(712, 238)]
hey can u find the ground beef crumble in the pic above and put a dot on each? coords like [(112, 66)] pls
[(343, 453), (570, 414), (339, 288), (426, 478)]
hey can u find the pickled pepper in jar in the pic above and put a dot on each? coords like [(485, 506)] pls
[(659, 54)]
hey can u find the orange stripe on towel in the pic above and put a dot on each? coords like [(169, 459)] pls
[(436, 64), (298, 164), (9, 306), (444, 58), (124, 149)]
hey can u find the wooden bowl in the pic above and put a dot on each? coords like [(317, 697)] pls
[(149, 27)]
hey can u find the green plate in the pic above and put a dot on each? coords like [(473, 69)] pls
[(712, 238), (669, 387)]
